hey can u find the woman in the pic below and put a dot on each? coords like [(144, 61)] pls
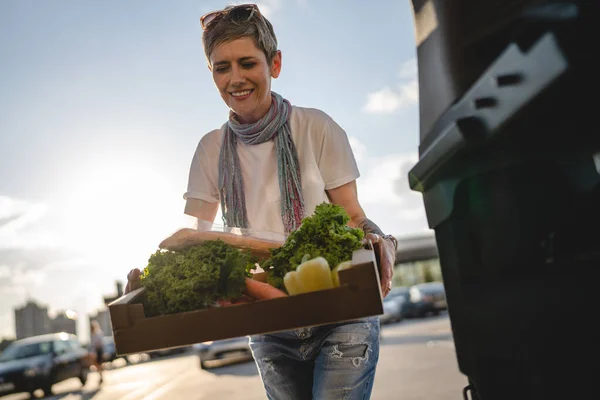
[(97, 344), (268, 167)]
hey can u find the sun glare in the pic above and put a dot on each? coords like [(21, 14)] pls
[(120, 213)]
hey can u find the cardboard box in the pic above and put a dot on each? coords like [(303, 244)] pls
[(358, 296)]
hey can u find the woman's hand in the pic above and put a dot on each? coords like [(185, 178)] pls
[(385, 252), (133, 280), (385, 249)]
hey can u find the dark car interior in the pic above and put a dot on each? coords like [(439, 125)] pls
[(509, 170)]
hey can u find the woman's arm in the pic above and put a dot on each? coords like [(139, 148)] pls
[(346, 196)]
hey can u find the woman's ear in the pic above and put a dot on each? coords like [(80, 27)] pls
[(209, 66), (276, 65)]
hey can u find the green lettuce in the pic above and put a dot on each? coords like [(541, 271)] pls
[(325, 234), (194, 279)]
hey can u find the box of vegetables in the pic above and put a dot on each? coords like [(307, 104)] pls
[(211, 285)]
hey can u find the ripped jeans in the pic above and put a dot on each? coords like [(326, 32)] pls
[(334, 361)]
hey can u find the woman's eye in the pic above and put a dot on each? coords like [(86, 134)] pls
[(248, 65), (221, 70)]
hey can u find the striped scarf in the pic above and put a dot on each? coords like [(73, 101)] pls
[(274, 125)]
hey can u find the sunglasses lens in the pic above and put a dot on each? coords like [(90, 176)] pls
[(241, 14), (208, 18)]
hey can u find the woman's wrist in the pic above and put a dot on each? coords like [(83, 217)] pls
[(391, 239), (369, 226)]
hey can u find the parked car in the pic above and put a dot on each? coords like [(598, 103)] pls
[(232, 350), (402, 295), (392, 310), (41, 361), (420, 299), (428, 298)]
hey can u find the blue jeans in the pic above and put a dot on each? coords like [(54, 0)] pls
[(334, 361)]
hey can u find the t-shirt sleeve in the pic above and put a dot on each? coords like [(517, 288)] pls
[(336, 162), (203, 176)]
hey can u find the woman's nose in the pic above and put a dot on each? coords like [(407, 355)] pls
[(237, 76)]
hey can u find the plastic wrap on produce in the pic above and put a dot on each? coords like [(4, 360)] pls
[(258, 242)]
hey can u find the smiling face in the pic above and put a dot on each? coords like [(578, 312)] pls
[(243, 75)]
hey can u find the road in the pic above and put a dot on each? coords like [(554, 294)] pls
[(417, 362)]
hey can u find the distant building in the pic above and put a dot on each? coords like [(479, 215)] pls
[(65, 321), (103, 316), (110, 299), (31, 320), (416, 248)]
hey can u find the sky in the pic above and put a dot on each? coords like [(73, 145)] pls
[(102, 105)]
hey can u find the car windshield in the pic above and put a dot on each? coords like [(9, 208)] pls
[(18, 351)]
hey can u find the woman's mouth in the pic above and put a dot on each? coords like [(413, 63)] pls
[(241, 94)]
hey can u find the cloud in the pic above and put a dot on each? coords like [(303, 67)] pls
[(359, 149), (268, 7), (23, 277), (33, 258), (4, 272), (16, 214), (28, 271), (408, 69), (21, 225), (388, 99), (384, 192), (382, 101)]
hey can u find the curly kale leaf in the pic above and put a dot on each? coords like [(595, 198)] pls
[(325, 234), (195, 278)]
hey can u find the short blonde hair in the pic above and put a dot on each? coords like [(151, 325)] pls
[(222, 30)]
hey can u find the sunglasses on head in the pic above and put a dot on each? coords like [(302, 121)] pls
[(238, 14)]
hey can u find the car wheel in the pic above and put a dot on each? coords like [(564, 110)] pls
[(83, 375)]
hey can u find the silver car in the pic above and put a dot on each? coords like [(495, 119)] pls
[(225, 351)]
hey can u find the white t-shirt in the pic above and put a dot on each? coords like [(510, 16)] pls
[(326, 162)]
